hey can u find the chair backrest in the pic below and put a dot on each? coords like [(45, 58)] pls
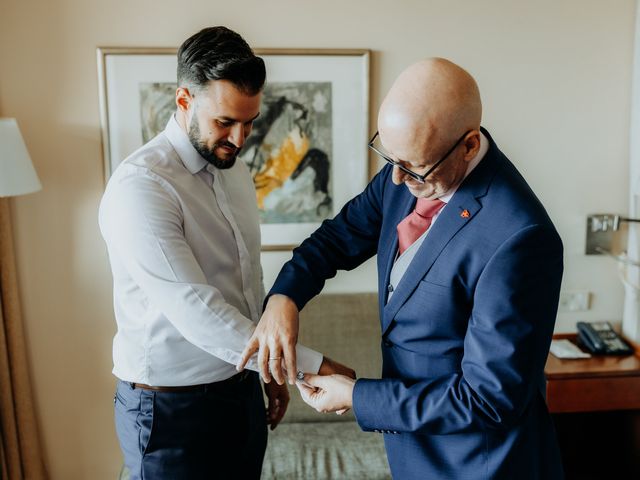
[(346, 328)]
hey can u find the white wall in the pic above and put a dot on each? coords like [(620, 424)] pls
[(555, 80)]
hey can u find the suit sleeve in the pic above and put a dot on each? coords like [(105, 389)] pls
[(505, 349), (342, 243)]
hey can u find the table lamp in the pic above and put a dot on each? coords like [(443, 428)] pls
[(17, 175)]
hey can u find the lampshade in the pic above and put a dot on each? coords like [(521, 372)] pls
[(17, 175)]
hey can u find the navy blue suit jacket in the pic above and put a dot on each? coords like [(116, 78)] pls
[(467, 331)]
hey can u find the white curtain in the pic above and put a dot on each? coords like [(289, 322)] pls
[(631, 316)]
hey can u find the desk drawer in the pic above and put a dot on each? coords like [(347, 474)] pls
[(593, 394)]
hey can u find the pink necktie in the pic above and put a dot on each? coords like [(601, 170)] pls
[(417, 222)]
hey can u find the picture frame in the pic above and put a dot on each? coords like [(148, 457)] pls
[(317, 113)]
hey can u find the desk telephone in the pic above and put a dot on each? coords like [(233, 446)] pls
[(600, 338)]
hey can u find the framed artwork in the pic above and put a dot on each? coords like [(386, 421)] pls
[(307, 152)]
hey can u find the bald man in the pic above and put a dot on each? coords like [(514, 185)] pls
[(469, 276)]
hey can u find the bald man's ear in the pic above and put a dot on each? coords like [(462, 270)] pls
[(471, 144), (183, 99)]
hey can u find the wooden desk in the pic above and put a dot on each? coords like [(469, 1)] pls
[(599, 383), (595, 405)]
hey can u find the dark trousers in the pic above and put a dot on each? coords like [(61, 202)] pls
[(218, 432)]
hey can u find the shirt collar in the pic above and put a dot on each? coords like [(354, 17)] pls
[(182, 145), (484, 147)]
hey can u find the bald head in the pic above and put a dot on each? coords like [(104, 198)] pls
[(432, 113), (432, 99)]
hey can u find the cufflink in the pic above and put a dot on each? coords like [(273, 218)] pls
[(300, 379)]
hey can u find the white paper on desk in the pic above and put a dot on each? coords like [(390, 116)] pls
[(565, 349)]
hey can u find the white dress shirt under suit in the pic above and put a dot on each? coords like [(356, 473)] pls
[(184, 244)]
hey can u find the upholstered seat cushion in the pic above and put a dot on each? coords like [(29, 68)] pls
[(325, 450)]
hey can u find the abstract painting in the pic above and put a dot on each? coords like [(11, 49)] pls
[(289, 153), (157, 103), (307, 152)]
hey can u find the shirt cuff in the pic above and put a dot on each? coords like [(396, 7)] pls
[(308, 360)]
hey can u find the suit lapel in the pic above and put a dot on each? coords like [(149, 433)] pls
[(461, 209), (449, 222)]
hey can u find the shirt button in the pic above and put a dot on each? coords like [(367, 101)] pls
[(389, 288)]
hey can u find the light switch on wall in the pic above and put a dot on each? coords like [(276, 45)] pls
[(574, 301)]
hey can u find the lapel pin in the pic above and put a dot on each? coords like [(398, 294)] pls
[(465, 213)]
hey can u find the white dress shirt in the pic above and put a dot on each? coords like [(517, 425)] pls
[(184, 245)]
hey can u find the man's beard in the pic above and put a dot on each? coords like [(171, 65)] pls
[(209, 153)]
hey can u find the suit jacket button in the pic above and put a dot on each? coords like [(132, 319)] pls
[(387, 343), (389, 288)]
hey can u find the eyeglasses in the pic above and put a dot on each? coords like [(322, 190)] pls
[(416, 176)]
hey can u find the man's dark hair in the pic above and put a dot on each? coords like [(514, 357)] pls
[(217, 53)]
